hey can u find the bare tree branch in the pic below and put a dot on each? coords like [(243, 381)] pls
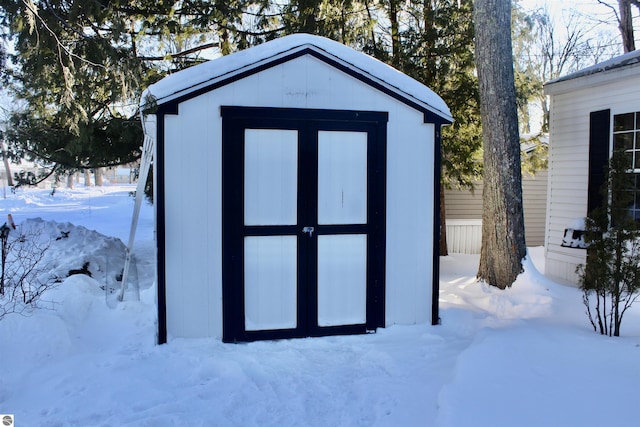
[(26, 277)]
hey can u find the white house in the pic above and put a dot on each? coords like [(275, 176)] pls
[(593, 111), (320, 167)]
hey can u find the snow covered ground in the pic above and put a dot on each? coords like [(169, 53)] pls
[(523, 357)]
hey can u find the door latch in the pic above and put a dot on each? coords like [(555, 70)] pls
[(308, 230)]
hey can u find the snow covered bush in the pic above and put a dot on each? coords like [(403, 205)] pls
[(610, 280), (24, 274)]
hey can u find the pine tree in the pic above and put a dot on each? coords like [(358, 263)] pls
[(433, 43), (82, 65), (345, 21), (74, 68)]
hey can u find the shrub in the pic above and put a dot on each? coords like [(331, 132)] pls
[(610, 280), (23, 276)]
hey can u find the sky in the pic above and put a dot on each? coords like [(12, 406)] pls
[(592, 12)]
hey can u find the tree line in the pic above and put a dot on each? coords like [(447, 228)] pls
[(77, 67)]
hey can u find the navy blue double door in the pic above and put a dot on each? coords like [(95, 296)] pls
[(303, 222)]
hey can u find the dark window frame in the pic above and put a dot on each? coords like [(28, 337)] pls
[(626, 136)]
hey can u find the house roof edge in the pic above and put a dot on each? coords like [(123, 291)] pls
[(629, 59)]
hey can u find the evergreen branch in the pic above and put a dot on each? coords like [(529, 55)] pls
[(180, 54), (261, 14), (51, 172), (58, 165), (131, 10), (252, 33), (33, 12), (63, 22), (42, 156)]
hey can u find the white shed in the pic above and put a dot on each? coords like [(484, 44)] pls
[(593, 111), (296, 194)]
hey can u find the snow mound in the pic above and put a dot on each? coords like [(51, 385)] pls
[(75, 249), (527, 298), (75, 298)]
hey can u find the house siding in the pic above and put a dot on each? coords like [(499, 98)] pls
[(464, 214), (572, 102)]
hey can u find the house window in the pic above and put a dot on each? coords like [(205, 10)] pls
[(626, 136)]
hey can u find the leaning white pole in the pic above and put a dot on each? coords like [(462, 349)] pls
[(145, 164)]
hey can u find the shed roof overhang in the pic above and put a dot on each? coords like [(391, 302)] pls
[(191, 82)]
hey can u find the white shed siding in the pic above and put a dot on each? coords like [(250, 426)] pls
[(193, 241), (409, 214), (572, 102)]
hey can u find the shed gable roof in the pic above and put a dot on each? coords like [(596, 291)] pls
[(210, 75)]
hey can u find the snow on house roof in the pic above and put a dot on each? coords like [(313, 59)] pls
[(628, 59), (529, 141), (199, 77)]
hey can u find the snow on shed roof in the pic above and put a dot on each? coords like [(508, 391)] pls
[(621, 61), (199, 77)]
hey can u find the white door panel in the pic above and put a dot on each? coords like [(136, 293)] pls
[(271, 177), (342, 177), (342, 280), (270, 282)]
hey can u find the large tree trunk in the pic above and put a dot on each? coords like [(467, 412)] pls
[(396, 44), (98, 176), (503, 243), (70, 180), (626, 25), (443, 225), (7, 168)]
